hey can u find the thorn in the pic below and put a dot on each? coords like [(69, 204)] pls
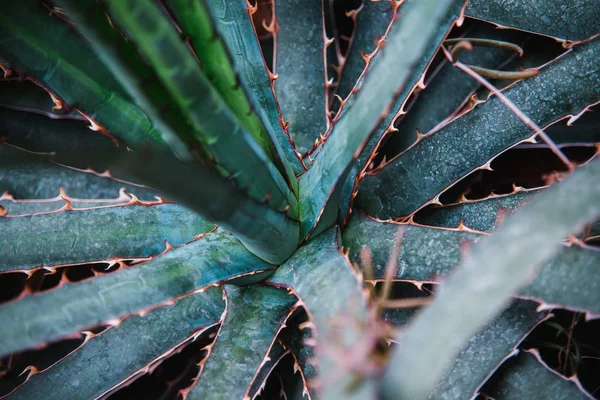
[(3, 212)]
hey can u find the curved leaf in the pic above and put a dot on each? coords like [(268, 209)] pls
[(276, 354), (70, 308), (571, 20), (126, 350), (498, 267), (255, 314), (427, 168), (70, 237)]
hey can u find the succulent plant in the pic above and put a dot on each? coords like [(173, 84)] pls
[(269, 191)]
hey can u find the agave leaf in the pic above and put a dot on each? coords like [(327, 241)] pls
[(40, 46), (526, 376), (198, 188), (70, 308), (583, 130), (415, 178), (70, 237), (22, 95), (372, 21), (21, 208), (320, 261), (572, 20), (482, 215), (276, 353), (35, 178), (231, 145), (255, 315), (40, 134), (412, 39), (487, 350), (293, 386), (427, 254), (127, 350), (300, 69), (473, 295), (237, 71), (448, 89)]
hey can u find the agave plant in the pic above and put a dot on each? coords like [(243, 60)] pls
[(260, 187)]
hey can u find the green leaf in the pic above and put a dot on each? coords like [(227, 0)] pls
[(276, 353), (449, 88), (126, 350), (497, 267), (255, 315), (424, 171), (317, 265), (300, 69), (39, 133), (35, 178), (51, 315), (43, 48), (572, 20), (428, 254), (233, 149), (21, 208), (487, 350), (372, 21), (70, 237), (526, 376), (482, 215), (249, 63), (394, 72)]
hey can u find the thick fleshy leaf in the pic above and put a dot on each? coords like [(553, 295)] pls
[(415, 177), (568, 280), (15, 208), (449, 88), (487, 350), (314, 266), (41, 46), (235, 26), (412, 41), (71, 237), (39, 133), (372, 22), (481, 215), (232, 147), (571, 20), (300, 70), (126, 350), (527, 377), (276, 354), (40, 179), (255, 314), (497, 267), (73, 307)]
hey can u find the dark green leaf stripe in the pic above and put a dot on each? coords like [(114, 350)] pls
[(69, 237), (481, 215), (411, 40), (320, 261), (35, 178), (236, 29), (487, 350), (431, 165), (124, 350), (427, 254), (41, 47), (564, 19), (300, 67), (231, 145), (255, 315), (526, 377), (71, 308)]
